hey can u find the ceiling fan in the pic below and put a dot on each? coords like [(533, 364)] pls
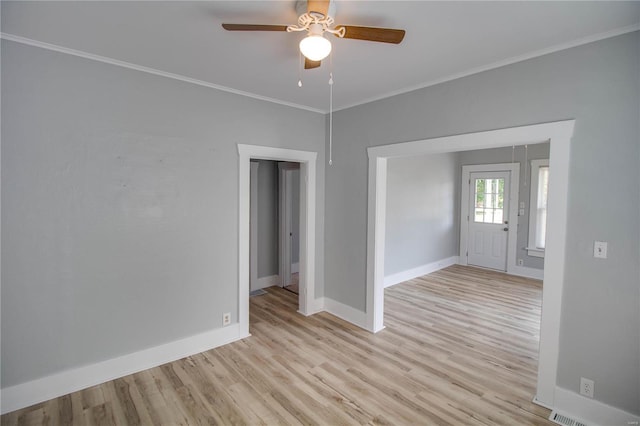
[(317, 20)]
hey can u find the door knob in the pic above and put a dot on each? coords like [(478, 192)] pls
[(505, 229)]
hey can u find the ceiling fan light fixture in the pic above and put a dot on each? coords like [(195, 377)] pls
[(315, 47)]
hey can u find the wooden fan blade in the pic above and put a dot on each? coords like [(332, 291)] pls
[(318, 6), (309, 64), (253, 27), (384, 35)]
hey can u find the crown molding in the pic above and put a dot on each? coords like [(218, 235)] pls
[(508, 61), (148, 70), (476, 70)]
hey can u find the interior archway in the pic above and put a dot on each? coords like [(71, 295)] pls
[(559, 135)]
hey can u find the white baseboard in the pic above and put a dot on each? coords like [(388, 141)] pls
[(347, 313), (264, 282), (316, 307), (523, 271), (340, 310), (59, 384), (590, 411), (295, 267), (410, 274), (542, 404)]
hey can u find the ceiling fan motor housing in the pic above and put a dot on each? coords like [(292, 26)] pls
[(316, 30), (302, 8)]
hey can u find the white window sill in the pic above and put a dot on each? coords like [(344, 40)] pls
[(535, 252)]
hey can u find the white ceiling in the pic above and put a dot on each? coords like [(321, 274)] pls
[(444, 40)]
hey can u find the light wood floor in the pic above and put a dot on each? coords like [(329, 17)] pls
[(460, 347)]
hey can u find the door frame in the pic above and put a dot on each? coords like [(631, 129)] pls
[(512, 233), (307, 283), (559, 135), (285, 194), (253, 234)]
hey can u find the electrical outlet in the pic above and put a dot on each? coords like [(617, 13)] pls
[(586, 387), (226, 318), (520, 262)]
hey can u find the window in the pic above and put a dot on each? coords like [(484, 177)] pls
[(489, 201), (538, 207)]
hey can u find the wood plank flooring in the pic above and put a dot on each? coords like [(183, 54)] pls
[(459, 347)]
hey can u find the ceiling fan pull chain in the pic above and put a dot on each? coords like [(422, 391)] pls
[(299, 68), (526, 163), (330, 118)]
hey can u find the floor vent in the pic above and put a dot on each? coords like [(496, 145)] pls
[(563, 420)]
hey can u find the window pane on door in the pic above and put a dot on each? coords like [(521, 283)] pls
[(489, 201)]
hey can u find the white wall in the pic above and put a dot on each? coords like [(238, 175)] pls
[(120, 207), (422, 211), (597, 84)]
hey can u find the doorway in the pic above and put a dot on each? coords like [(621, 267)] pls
[(308, 179), (559, 135), (267, 223)]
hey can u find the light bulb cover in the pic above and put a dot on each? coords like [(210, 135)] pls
[(315, 47)]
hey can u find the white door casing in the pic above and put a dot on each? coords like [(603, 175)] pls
[(559, 135), (488, 219), (307, 159)]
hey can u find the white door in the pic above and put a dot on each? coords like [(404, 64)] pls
[(285, 211), (488, 219), (253, 228)]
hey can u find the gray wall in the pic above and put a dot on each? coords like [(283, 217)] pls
[(598, 85), (267, 218), (119, 201), (422, 211), (120, 207), (423, 205), (504, 155)]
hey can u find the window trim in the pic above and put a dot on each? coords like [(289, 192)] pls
[(532, 250)]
